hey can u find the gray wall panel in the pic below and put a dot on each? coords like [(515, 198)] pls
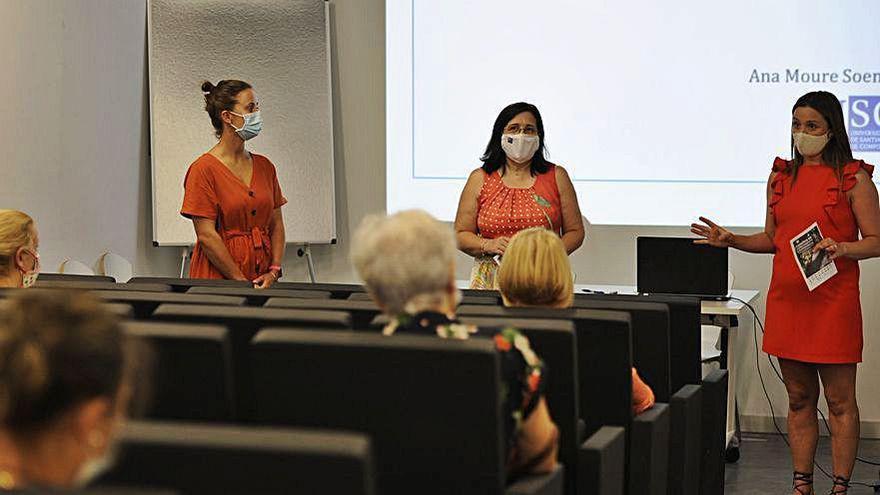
[(281, 48)]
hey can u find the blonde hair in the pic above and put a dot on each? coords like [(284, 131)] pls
[(535, 270), (403, 258), (15, 232)]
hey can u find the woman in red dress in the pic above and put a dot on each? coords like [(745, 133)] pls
[(816, 335), (515, 189), (232, 195)]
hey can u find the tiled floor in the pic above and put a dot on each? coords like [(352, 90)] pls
[(765, 467)]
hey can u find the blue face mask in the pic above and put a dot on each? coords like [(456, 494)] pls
[(253, 124)]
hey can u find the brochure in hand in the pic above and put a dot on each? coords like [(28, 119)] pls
[(816, 268)]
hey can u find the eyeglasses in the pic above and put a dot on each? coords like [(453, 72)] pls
[(256, 108), (528, 130)]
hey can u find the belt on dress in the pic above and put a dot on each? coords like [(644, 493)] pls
[(258, 235), (261, 244)]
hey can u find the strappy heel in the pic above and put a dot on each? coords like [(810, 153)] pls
[(841, 485), (803, 481)]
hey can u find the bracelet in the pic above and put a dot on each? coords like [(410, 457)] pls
[(276, 271)]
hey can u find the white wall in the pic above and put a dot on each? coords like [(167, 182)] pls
[(74, 154), (74, 141)]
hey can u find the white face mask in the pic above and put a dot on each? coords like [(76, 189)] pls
[(809, 145), (519, 147), (29, 277), (94, 468), (253, 124)]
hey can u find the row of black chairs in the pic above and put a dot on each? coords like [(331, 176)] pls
[(416, 397), (193, 459), (640, 330), (683, 312)]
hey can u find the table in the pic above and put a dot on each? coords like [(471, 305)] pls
[(726, 315)]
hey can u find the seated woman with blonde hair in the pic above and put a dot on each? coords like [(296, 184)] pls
[(19, 243), (407, 262), (536, 273)]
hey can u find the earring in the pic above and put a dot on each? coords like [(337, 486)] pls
[(96, 439)]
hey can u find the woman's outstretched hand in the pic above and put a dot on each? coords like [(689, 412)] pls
[(711, 234)]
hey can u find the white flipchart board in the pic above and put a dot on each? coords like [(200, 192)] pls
[(282, 48)]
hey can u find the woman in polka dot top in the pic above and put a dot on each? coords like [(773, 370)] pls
[(515, 189)]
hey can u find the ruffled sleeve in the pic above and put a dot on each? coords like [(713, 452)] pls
[(782, 168), (848, 180), (851, 169)]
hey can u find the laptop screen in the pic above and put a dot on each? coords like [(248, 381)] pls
[(675, 265)]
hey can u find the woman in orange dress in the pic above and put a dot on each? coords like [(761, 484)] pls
[(232, 195), (816, 334), (516, 188)]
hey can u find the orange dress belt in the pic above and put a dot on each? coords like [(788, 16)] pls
[(259, 236), (261, 241)]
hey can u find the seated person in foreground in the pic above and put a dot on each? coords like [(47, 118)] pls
[(536, 273), (407, 262), (66, 376)]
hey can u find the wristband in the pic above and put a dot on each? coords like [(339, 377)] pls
[(276, 269)]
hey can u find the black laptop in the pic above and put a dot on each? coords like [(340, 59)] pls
[(675, 265)]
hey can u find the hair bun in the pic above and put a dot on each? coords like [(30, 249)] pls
[(207, 87)]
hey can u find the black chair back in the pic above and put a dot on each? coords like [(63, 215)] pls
[(338, 291), (604, 356), (554, 341), (77, 278), (243, 324), (648, 452), (91, 285), (193, 378), (685, 434), (258, 297), (487, 300), (684, 332), (362, 312), (481, 293), (359, 296), (243, 319), (650, 340), (430, 405), (145, 303), (602, 462), (206, 460), (122, 310), (118, 490), (481, 298), (714, 432), (183, 284)]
